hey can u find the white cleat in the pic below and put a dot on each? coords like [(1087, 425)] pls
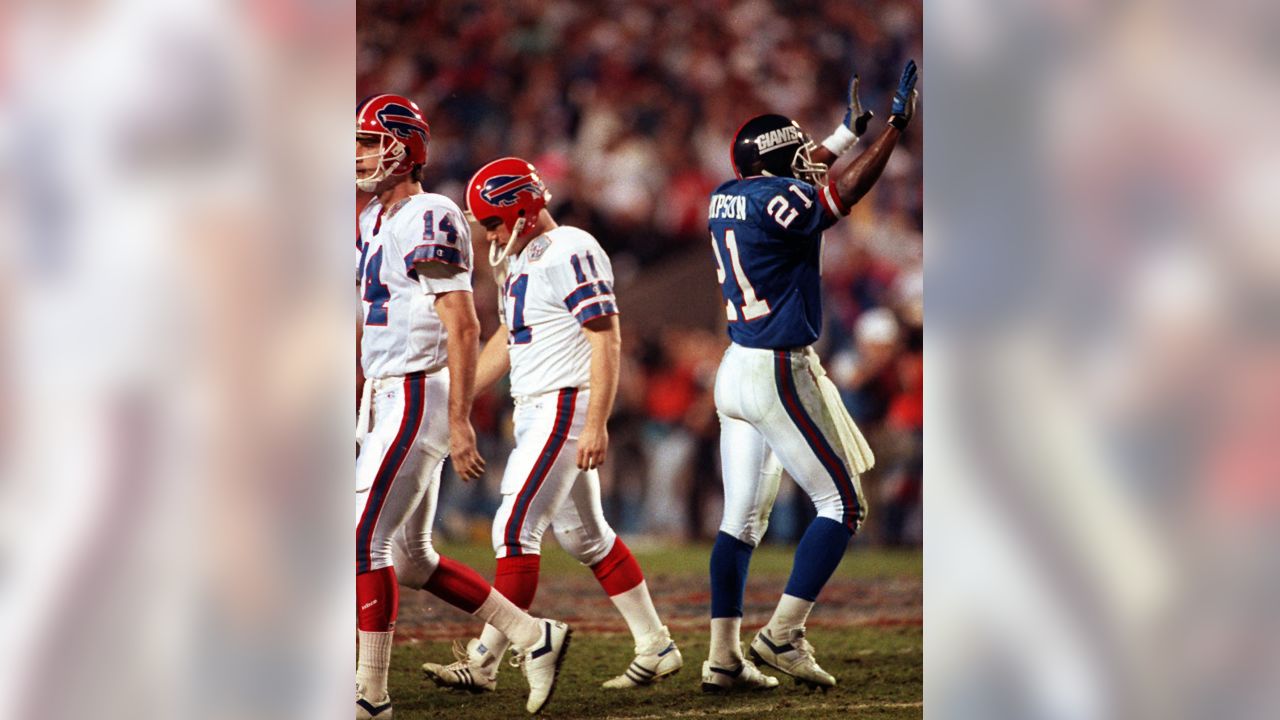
[(366, 710), (655, 660), (476, 671), (723, 679), (541, 663), (792, 655)]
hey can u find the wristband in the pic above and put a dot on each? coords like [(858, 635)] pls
[(840, 140)]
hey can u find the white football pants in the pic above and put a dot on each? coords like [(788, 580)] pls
[(772, 416)]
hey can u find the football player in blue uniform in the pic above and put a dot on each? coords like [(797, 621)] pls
[(776, 406)]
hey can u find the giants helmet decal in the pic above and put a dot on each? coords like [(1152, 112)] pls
[(775, 145), (402, 134)]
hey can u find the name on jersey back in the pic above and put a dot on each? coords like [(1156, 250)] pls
[(727, 207)]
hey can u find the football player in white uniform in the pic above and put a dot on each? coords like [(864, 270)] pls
[(561, 340), (418, 352)]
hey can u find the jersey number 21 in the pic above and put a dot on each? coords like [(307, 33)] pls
[(751, 306)]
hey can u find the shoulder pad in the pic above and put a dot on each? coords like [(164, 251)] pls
[(563, 242), (725, 185)]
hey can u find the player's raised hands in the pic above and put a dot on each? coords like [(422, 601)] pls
[(851, 127), (904, 100), (462, 448), (855, 118), (593, 445)]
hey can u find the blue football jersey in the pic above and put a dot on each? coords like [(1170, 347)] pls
[(766, 233)]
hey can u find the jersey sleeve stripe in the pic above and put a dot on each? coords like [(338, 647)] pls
[(603, 308), (585, 292), (831, 200), (434, 253)]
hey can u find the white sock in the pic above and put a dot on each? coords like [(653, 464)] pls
[(371, 669), (726, 647), (792, 612), (493, 641), (521, 629), (637, 609)]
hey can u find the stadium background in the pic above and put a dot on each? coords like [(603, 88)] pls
[(627, 109)]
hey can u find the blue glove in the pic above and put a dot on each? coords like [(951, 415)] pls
[(855, 118), (904, 100)]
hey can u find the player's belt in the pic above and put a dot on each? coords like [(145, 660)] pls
[(527, 399), (398, 380), (364, 414)]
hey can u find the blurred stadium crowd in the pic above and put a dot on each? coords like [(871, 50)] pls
[(628, 109)]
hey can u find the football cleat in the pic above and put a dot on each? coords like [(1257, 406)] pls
[(366, 710), (746, 676), (656, 660), (793, 656), (541, 663), (474, 671)]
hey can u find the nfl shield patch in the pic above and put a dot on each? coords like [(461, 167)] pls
[(538, 247)]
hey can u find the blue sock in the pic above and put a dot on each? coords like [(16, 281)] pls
[(817, 556), (730, 558)]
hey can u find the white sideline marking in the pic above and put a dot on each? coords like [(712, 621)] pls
[(754, 709)]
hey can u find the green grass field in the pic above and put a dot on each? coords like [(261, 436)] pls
[(866, 629)]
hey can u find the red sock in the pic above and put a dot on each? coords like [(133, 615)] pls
[(517, 579), (377, 600), (618, 572), (458, 585)]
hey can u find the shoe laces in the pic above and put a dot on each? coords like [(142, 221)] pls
[(517, 658), (654, 643), (460, 653), (802, 643)]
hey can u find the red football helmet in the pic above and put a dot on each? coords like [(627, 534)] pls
[(509, 189), (402, 134)]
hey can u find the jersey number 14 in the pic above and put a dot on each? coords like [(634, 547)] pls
[(750, 307)]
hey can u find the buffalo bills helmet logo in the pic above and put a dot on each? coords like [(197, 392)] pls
[(504, 190), (388, 115)]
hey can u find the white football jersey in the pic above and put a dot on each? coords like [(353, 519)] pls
[(402, 332), (561, 280)]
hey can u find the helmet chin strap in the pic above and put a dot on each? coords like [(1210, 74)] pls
[(496, 257)]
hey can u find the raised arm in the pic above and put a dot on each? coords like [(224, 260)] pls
[(861, 175), (848, 131), (457, 311), (606, 350)]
